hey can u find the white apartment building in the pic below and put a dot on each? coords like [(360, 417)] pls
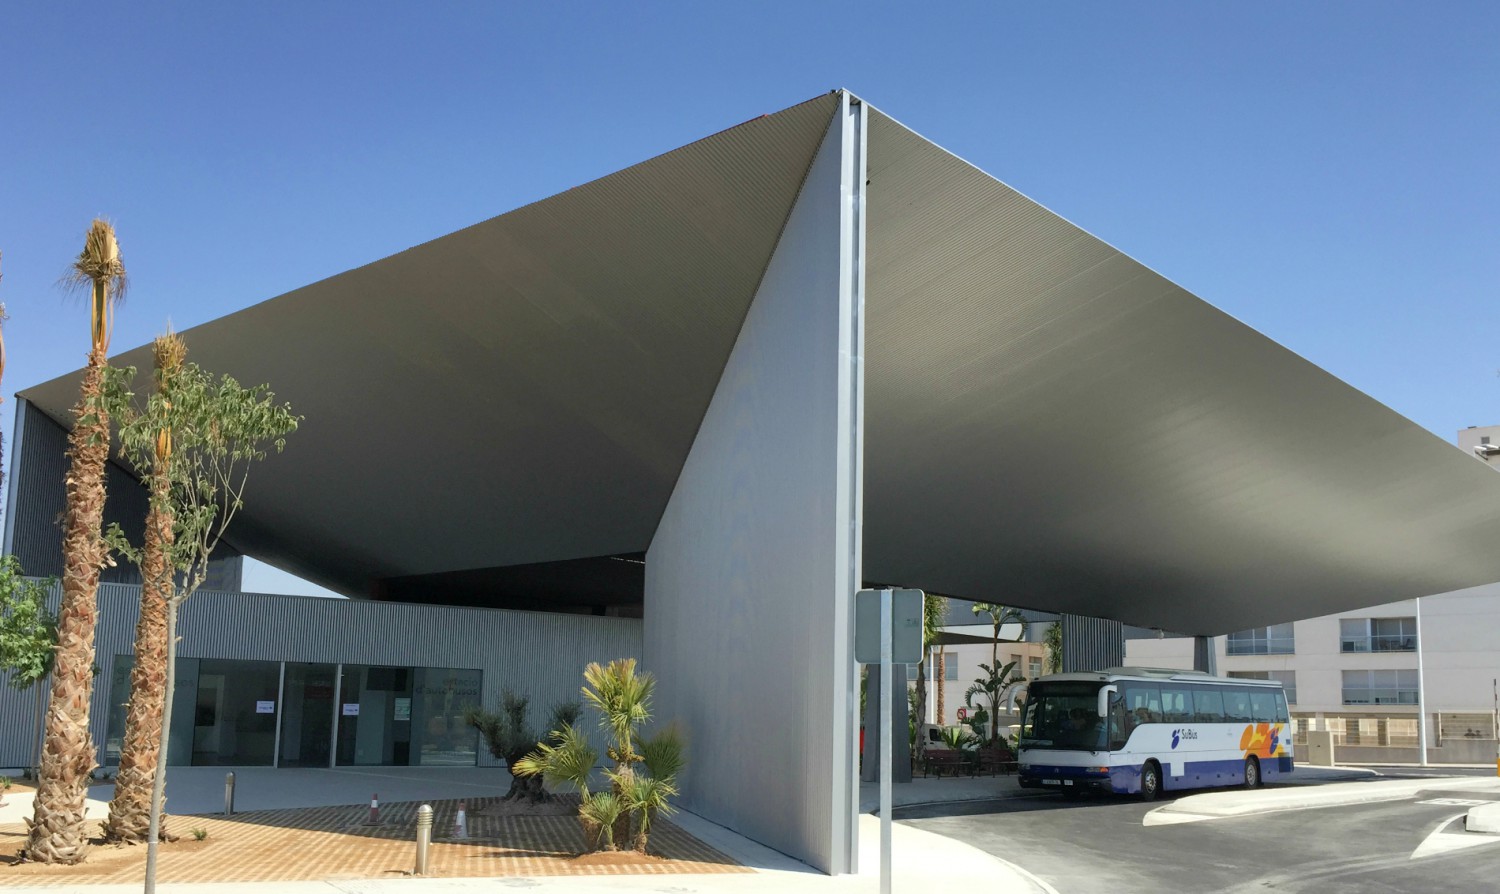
[(961, 666), (1361, 673)]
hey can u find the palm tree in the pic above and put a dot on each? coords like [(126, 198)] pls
[(130, 810), (662, 757), (623, 699), (997, 677), (57, 826), (1054, 642), (567, 758), (2, 369), (934, 611)]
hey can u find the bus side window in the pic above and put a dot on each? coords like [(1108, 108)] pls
[(1144, 701), (1264, 706), (1237, 705), (1177, 704), (1282, 715), (1208, 705)]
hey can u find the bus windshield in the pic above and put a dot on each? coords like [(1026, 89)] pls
[(1063, 714)]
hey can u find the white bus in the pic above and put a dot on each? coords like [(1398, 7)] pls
[(1135, 730)]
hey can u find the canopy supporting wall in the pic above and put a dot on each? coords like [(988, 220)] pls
[(753, 653)]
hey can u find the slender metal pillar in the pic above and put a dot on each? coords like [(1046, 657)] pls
[(885, 742), (1421, 694), (854, 135), (1205, 656), (280, 700), (338, 714)]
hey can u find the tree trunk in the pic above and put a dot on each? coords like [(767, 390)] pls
[(921, 746), (942, 675), (130, 811), (159, 783), (621, 831), (57, 827)]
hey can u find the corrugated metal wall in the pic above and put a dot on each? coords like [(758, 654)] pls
[(1091, 643), (39, 466), (537, 654)]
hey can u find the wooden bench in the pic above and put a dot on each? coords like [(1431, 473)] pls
[(937, 760), (993, 761)]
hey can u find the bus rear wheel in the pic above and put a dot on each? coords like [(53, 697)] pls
[(1150, 781), (1252, 773)]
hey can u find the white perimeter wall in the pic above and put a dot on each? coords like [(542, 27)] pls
[(748, 577), (1460, 655)]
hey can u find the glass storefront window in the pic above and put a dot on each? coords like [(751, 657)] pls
[(225, 714), (234, 716), (442, 739)]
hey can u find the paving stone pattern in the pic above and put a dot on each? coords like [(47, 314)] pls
[(333, 843)]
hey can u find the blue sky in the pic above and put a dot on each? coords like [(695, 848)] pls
[(1324, 172)]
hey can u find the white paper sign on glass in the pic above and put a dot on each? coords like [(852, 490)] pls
[(351, 710), (263, 707)]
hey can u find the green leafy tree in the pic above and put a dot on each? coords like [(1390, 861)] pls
[(218, 431), (28, 631), (997, 677)]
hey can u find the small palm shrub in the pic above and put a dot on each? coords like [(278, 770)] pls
[(644, 776), (958, 738)]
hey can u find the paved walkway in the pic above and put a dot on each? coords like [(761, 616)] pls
[(919, 859)]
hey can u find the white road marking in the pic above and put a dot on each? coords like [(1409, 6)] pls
[(1440, 841), (1457, 802)]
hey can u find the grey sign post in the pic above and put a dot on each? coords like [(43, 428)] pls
[(887, 629)]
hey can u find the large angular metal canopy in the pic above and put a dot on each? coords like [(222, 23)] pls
[(1048, 423)]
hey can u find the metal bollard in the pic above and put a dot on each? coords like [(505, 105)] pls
[(424, 837), (229, 793)]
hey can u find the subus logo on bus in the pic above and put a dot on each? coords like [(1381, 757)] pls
[(1179, 734)]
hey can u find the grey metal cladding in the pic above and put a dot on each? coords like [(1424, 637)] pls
[(545, 370), (39, 471), (743, 576), (541, 655), (1053, 425), (1091, 644)]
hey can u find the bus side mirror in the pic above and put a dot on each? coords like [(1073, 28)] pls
[(1104, 693)]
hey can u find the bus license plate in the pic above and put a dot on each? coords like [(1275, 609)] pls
[(1051, 782)]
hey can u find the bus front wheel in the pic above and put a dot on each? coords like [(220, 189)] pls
[(1252, 773), (1150, 781)]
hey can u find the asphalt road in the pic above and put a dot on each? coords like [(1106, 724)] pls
[(1100, 845)]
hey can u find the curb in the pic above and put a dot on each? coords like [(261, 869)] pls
[(1233, 805)]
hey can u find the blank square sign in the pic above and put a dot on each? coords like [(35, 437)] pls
[(906, 626)]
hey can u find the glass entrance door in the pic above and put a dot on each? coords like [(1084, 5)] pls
[(307, 715), (375, 716)]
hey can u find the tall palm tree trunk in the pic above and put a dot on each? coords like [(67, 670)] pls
[(57, 826), (942, 675), (130, 811)]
